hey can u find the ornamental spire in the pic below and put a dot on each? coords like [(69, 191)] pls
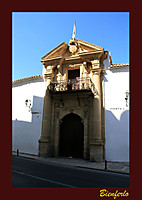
[(74, 29)]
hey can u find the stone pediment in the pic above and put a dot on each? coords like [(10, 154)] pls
[(86, 46), (75, 47), (57, 51)]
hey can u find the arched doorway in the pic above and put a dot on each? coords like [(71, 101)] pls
[(71, 136)]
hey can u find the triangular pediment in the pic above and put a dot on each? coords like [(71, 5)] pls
[(64, 49), (57, 51), (88, 46)]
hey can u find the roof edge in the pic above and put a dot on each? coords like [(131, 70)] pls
[(89, 44), (118, 65), (36, 77)]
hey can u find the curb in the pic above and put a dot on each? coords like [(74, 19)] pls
[(105, 170), (78, 166)]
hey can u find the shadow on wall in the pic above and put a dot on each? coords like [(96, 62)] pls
[(117, 136), (25, 135), (117, 70)]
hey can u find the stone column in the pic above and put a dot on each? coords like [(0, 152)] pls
[(103, 111), (45, 147), (96, 145), (86, 149), (57, 132)]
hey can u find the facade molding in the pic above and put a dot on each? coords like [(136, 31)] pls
[(118, 66)]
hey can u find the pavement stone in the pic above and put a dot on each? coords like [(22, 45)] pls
[(119, 167)]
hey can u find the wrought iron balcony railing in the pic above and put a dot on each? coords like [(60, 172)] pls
[(73, 85)]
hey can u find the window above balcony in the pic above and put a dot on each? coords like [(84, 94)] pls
[(72, 74)]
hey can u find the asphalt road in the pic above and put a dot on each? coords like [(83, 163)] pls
[(27, 172)]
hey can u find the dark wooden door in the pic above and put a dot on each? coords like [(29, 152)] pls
[(71, 137)]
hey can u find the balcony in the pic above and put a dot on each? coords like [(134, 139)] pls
[(71, 85)]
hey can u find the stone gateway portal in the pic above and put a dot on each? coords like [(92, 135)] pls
[(71, 136), (73, 111)]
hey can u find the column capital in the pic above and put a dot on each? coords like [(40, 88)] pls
[(96, 71), (47, 76), (97, 142)]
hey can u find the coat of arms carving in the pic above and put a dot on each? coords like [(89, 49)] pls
[(73, 49)]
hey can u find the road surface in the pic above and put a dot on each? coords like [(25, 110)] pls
[(27, 172)]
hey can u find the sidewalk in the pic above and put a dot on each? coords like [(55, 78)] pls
[(119, 167)]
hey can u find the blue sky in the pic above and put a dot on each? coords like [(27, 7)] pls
[(36, 33)]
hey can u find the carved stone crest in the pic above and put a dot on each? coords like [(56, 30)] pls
[(73, 49)]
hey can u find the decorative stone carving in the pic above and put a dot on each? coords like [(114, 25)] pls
[(73, 49), (73, 46), (71, 110), (44, 64), (59, 76)]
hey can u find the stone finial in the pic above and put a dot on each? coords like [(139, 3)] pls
[(74, 28)]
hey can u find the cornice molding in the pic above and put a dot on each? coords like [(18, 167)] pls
[(118, 66), (73, 57)]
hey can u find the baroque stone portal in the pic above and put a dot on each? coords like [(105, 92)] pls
[(73, 113)]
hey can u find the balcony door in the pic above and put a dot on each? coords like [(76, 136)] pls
[(73, 79), (72, 74)]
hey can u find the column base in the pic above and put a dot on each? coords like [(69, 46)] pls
[(86, 154), (96, 151), (45, 148)]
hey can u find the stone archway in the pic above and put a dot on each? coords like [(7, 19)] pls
[(71, 140)]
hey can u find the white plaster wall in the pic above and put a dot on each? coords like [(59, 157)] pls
[(116, 115), (26, 125)]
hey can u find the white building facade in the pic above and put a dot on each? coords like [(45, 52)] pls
[(117, 112), (27, 107), (27, 112)]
